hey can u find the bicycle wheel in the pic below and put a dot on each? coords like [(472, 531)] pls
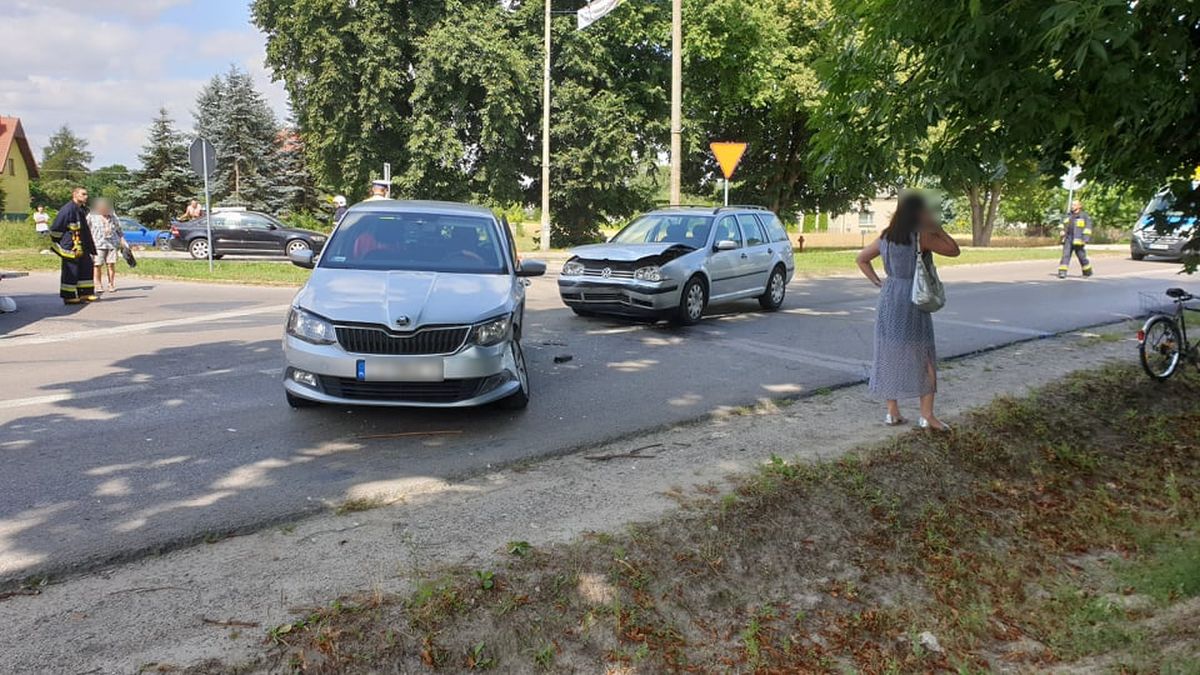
[(1159, 347)]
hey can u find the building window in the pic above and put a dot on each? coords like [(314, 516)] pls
[(866, 219)]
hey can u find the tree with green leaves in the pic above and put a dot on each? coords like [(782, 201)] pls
[(159, 191), (233, 115), (295, 189), (963, 90)]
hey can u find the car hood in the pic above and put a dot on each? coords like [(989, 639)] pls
[(425, 298), (626, 252)]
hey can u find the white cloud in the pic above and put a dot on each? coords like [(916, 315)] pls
[(117, 73)]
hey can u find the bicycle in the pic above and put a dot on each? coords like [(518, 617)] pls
[(1163, 340)]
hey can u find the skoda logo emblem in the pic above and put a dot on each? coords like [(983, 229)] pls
[(403, 320), (606, 272)]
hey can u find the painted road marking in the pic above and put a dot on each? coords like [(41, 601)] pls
[(147, 326)]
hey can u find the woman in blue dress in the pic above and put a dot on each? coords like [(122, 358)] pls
[(905, 356)]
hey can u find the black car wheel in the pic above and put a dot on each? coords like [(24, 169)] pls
[(164, 243), (692, 302), (772, 299), (198, 248), (519, 399), (296, 246)]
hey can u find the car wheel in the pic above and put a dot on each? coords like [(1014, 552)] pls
[(692, 302), (298, 402), (772, 299), (296, 246), (1138, 256), (582, 312), (519, 399), (164, 243), (198, 248)]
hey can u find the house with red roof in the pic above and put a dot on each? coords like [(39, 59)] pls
[(17, 168)]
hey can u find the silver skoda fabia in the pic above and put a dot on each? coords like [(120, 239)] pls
[(410, 304)]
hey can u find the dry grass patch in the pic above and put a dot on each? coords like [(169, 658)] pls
[(1057, 530)]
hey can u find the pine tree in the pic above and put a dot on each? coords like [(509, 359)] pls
[(235, 117), (295, 189), (65, 156), (161, 188)]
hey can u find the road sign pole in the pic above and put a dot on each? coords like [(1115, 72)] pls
[(208, 213), (726, 192)]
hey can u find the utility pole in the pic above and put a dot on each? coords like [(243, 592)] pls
[(545, 244), (676, 98)]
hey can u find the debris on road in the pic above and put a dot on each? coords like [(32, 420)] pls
[(407, 434), (636, 453), (229, 623), (563, 358)]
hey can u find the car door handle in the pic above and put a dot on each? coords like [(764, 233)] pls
[(771, 250), (744, 256)]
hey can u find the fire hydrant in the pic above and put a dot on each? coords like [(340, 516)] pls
[(800, 244)]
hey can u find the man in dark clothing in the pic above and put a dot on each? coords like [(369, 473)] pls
[(1077, 232), (72, 241)]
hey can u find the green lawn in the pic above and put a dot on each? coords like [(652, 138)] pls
[(229, 271), (824, 262), (813, 263)]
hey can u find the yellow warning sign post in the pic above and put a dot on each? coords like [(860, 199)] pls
[(728, 155)]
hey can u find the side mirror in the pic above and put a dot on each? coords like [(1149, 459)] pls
[(725, 245), (531, 268), (305, 259)]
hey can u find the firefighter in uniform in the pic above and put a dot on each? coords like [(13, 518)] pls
[(1077, 232), (71, 239)]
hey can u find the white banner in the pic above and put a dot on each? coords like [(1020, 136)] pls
[(594, 11)]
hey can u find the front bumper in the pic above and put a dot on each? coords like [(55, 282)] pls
[(470, 377), (619, 296), (1160, 247)]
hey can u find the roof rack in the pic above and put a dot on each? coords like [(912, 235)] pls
[(683, 206), (754, 207)]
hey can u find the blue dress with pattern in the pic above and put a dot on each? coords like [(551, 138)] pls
[(905, 356)]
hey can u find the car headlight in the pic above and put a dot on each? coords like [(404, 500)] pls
[(310, 327), (318, 239), (651, 273), (492, 332), (573, 268)]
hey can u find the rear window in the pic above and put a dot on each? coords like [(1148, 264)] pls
[(424, 242), (775, 229)]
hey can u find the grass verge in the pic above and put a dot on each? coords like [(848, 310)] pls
[(824, 262), (228, 271), (1059, 529)]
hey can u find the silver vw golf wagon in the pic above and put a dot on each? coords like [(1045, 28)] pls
[(410, 303), (672, 263)]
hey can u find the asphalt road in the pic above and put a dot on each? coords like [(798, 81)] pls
[(156, 416)]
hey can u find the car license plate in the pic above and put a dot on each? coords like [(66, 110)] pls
[(400, 370), (1160, 247)]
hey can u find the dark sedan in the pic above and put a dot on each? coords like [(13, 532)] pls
[(241, 232)]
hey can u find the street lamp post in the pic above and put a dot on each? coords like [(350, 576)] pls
[(676, 98), (545, 243)]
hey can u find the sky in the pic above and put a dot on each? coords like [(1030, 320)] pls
[(104, 67)]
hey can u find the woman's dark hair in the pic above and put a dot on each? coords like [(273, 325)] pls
[(907, 219)]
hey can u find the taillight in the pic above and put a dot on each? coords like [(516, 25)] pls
[(1141, 334), (174, 231)]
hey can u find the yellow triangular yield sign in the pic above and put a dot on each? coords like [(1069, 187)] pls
[(728, 155)]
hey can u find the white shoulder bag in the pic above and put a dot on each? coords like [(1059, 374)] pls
[(928, 293)]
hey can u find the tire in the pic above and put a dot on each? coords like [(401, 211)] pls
[(163, 244), (772, 299), (1159, 349), (519, 399), (198, 248), (692, 302), (298, 402), (582, 312), (296, 245), (1137, 256)]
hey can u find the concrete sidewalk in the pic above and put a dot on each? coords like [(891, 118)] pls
[(166, 610)]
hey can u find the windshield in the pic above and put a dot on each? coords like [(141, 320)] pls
[(667, 228), (424, 242)]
